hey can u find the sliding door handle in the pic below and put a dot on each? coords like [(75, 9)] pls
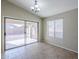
[(25, 32), (4, 33)]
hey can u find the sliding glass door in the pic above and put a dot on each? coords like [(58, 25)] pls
[(31, 32), (19, 33)]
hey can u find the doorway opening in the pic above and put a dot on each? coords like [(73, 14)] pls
[(19, 32)]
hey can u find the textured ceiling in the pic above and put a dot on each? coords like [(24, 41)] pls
[(47, 7)]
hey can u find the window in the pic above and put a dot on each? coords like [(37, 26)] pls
[(55, 28), (50, 28), (59, 28)]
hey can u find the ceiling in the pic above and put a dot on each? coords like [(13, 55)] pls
[(47, 7)]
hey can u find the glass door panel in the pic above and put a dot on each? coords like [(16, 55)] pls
[(31, 32), (14, 33), (18, 33)]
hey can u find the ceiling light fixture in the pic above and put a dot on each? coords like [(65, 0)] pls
[(35, 8)]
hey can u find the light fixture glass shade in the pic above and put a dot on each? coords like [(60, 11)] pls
[(38, 9), (36, 6), (32, 7)]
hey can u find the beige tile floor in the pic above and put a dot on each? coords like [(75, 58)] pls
[(39, 51)]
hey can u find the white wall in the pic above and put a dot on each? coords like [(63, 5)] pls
[(70, 24), (13, 11)]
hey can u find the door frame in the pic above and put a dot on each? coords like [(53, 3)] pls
[(24, 31)]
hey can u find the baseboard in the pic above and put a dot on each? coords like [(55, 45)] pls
[(61, 47)]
